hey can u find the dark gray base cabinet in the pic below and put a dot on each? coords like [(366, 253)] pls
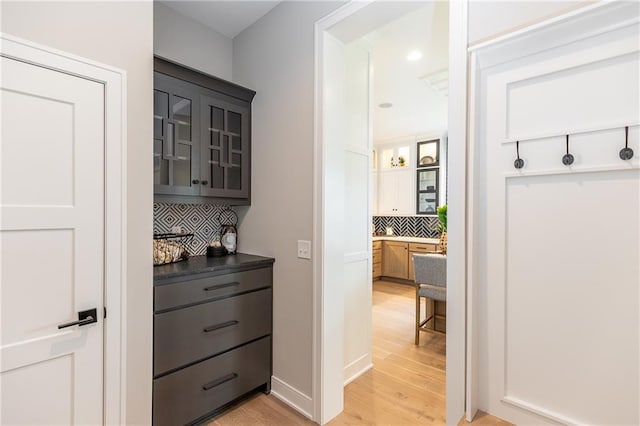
[(212, 342)]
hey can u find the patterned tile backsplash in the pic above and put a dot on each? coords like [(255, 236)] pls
[(199, 219), (408, 226)]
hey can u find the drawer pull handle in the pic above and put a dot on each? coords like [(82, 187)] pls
[(219, 326), (218, 382), (216, 287)]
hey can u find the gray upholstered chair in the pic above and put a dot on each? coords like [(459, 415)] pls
[(431, 283)]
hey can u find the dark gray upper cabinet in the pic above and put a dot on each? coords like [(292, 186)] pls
[(202, 137)]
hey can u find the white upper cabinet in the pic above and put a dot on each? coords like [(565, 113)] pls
[(395, 192)]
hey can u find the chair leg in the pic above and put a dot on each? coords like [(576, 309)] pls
[(432, 308), (417, 339)]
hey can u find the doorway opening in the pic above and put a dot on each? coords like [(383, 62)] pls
[(381, 167)]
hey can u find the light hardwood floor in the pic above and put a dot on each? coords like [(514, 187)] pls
[(405, 387)]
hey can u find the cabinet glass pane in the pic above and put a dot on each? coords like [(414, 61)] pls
[(217, 118), (236, 160), (387, 158), (160, 112), (182, 166), (182, 117), (216, 173), (235, 178), (426, 203), (404, 153), (427, 180), (236, 143), (234, 122), (160, 166), (214, 138), (215, 157), (428, 153)]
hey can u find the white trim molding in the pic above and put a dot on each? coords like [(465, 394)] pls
[(326, 396), (357, 368), (115, 231), (291, 396)]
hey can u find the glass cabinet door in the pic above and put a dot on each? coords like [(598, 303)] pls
[(174, 168), (225, 149), (427, 186), (428, 153)]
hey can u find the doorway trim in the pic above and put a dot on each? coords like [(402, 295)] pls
[(115, 231), (327, 384)]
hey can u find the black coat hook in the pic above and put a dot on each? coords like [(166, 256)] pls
[(626, 153), (519, 162), (567, 159)]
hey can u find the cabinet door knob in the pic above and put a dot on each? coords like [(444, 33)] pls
[(204, 182), (195, 181)]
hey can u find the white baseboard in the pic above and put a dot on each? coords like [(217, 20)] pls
[(292, 397), (357, 368)]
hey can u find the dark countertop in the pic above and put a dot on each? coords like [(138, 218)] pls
[(203, 264)]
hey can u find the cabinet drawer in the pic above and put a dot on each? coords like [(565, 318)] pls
[(198, 290), (377, 245), (190, 334), (422, 247), (377, 253), (193, 392)]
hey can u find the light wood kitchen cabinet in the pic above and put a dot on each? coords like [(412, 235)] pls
[(395, 257), (418, 248), (377, 259)]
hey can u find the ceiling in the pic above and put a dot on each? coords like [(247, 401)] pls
[(229, 18), (418, 108)]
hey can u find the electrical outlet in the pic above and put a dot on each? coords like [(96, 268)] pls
[(304, 249), (176, 229)]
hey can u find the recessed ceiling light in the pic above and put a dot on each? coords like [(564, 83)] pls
[(414, 55), (385, 105)]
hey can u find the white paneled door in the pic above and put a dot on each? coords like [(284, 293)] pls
[(51, 242)]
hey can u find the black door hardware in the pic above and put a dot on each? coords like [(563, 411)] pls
[(84, 317)]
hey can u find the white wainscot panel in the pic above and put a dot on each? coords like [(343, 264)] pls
[(597, 94), (357, 317), (357, 224), (571, 300)]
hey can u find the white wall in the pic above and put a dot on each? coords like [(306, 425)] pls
[(275, 57), (118, 34), (488, 19), (183, 40)]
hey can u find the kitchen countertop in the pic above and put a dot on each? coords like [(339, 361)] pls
[(407, 239), (204, 264)]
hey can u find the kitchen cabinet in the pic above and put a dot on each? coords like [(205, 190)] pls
[(395, 259), (212, 331), (395, 192), (377, 260), (174, 145), (202, 137)]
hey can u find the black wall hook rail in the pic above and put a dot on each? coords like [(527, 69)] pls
[(626, 153), (519, 162), (568, 158)]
